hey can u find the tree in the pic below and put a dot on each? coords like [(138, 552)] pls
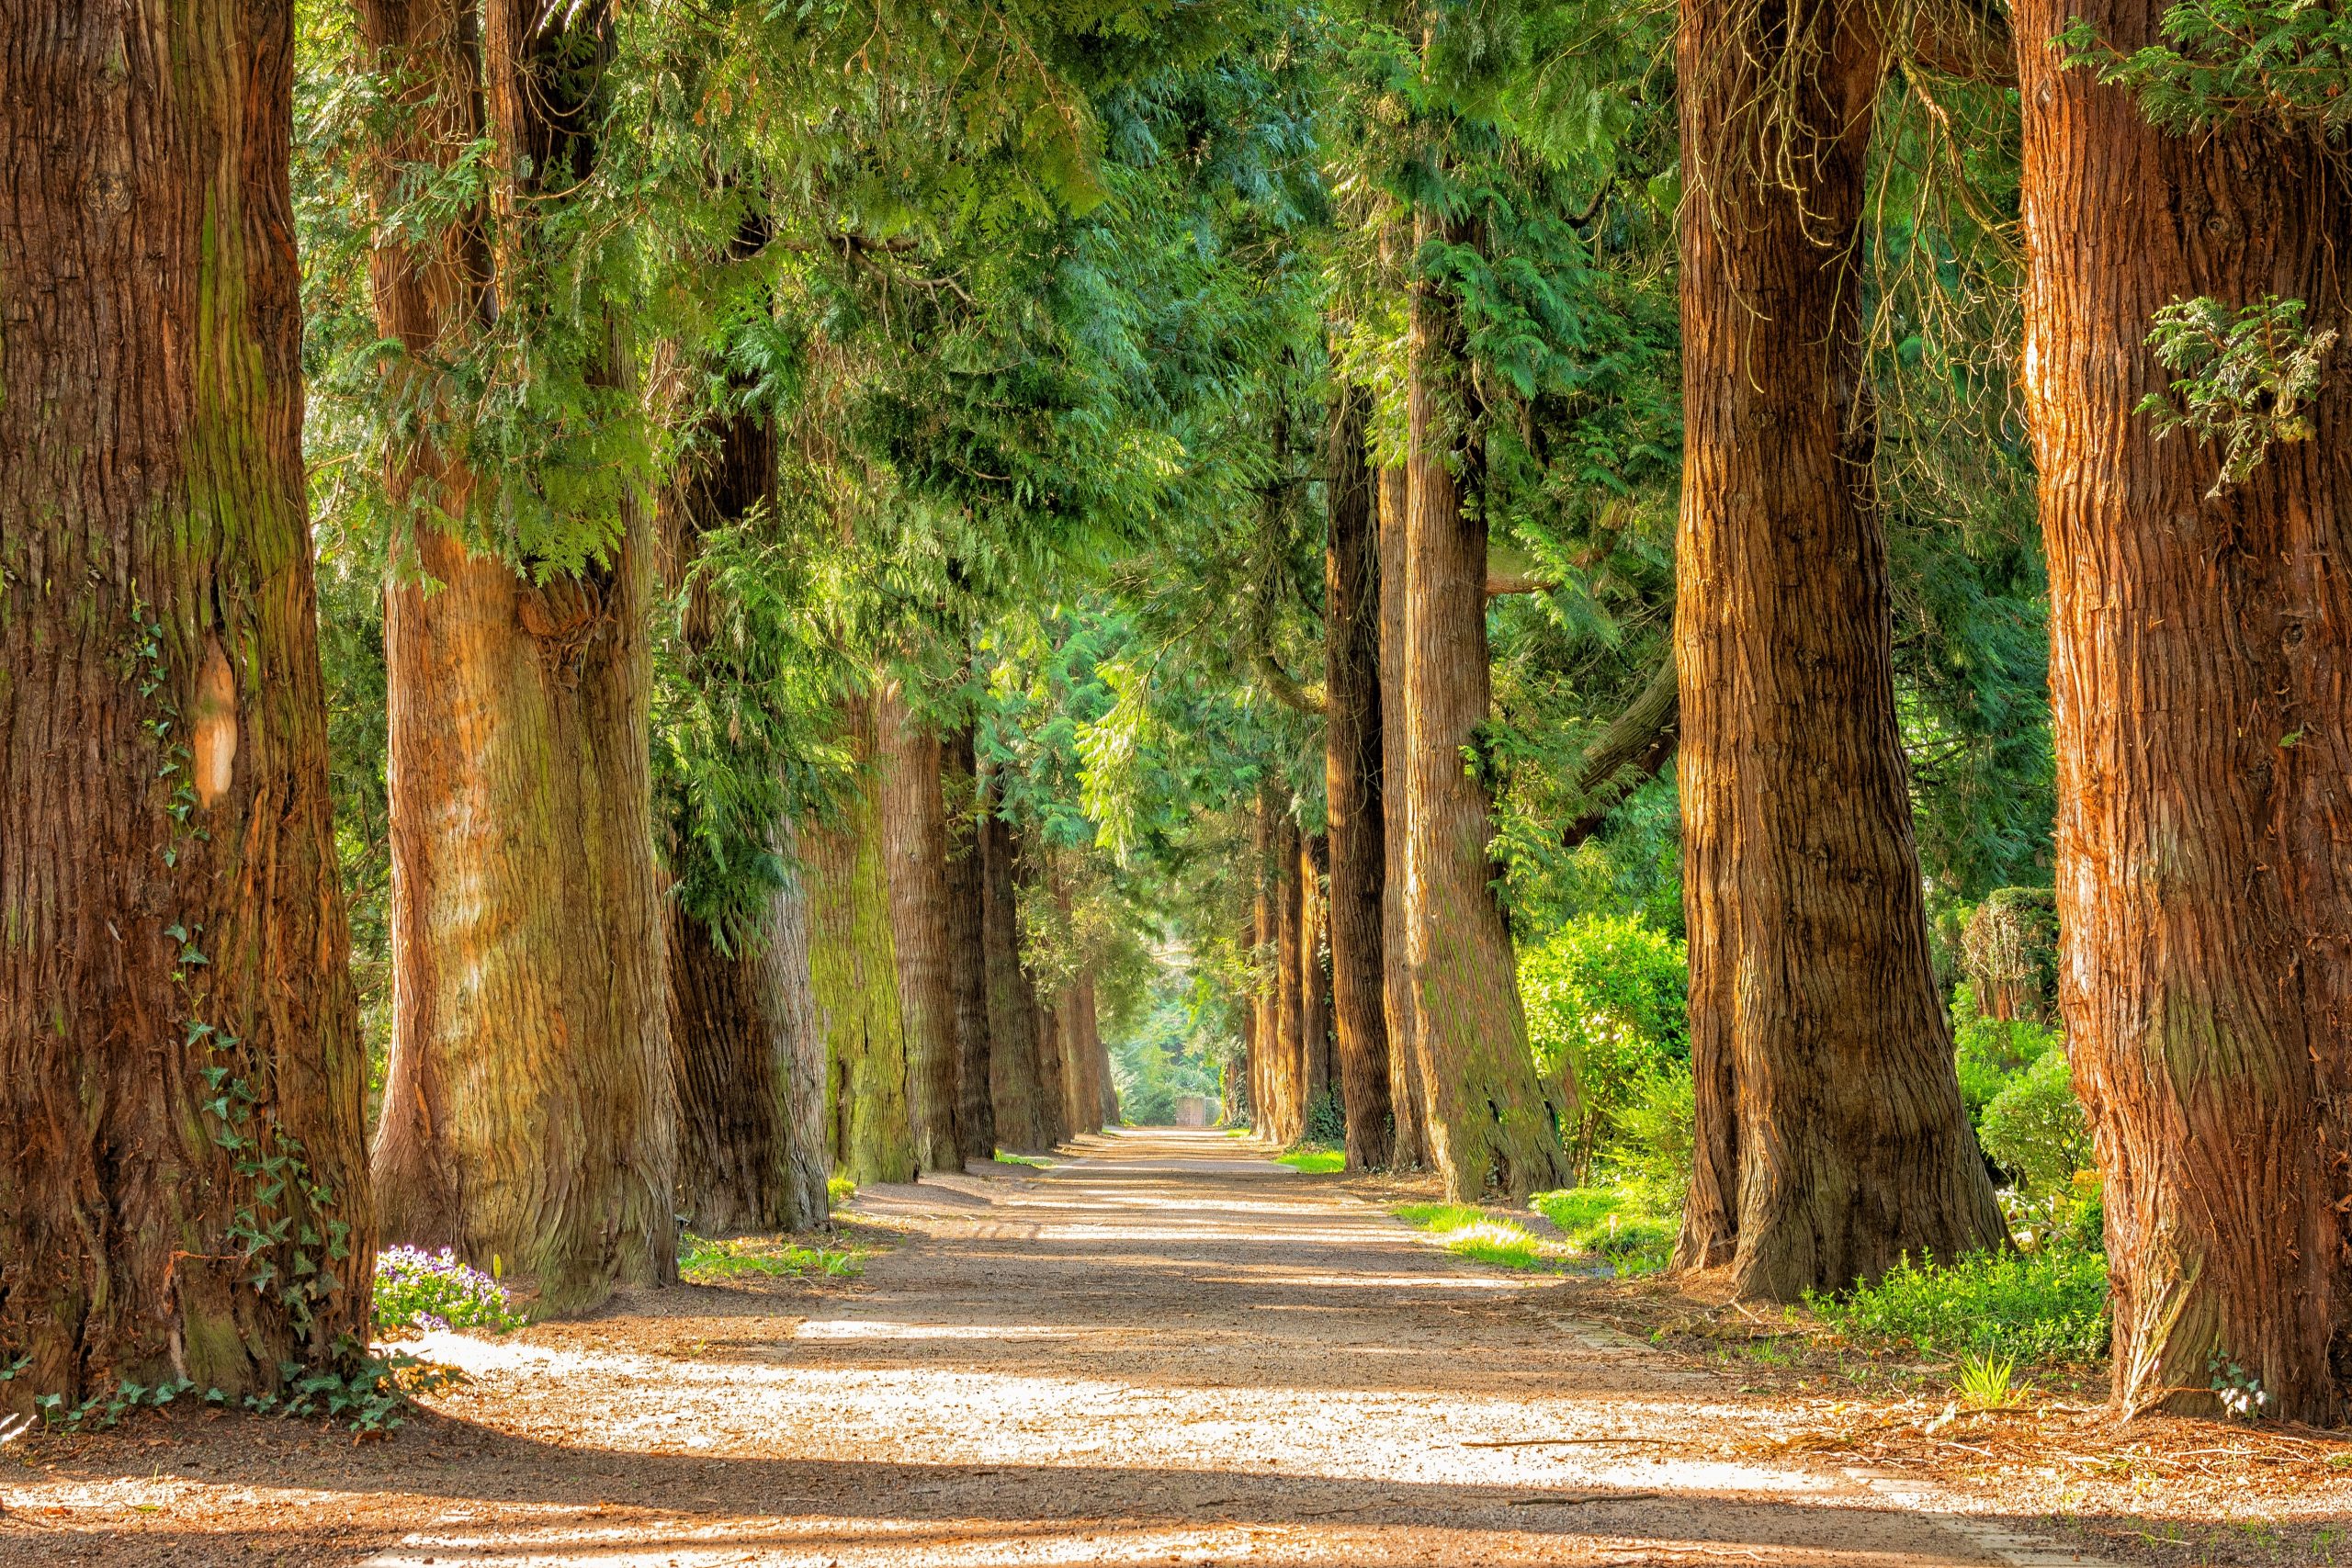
[(1831, 1137), (854, 971), (2199, 656), (529, 1112), (1405, 1094), (1013, 1082), (1352, 784), (181, 1182), (914, 825), (1488, 1128), (966, 947), (746, 1057)]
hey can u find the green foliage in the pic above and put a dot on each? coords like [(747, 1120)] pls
[(2246, 378), (2043, 1306), (1632, 1223), (1992, 1052), (1607, 1004), (421, 1289), (2035, 1126), (2285, 63), (704, 1262), (1989, 1382), (1471, 1232)]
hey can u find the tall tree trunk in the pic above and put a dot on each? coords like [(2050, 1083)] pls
[(1489, 1127), (742, 1021), (1021, 1120), (162, 728), (914, 827), (1030, 876), (1831, 1137), (853, 969), (1319, 1073), (1288, 1112), (1408, 1096), (966, 947), (2199, 648), (528, 1109), (1351, 777), (750, 1064)]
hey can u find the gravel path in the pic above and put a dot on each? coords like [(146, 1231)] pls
[(1164, 1349)]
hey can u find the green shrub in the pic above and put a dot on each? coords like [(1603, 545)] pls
[(1993, 1050), (1327, 1121), (2034, 1127), (2037, 1306), (1607, 1006), (1655, 1129), (1631, 1224)]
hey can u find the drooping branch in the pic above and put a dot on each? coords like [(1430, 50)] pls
[(1642, 738)]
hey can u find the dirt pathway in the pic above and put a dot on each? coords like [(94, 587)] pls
[(1165, 1350)]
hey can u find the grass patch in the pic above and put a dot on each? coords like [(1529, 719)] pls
[(1624, 1222), (704, 1262), (1004, 1158), (1473, 1233), (1314, 1161), (2031, 1306)]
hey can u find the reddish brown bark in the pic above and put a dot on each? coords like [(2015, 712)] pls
[(1285, 1111), (1831, 1138), (914, 828), (2199, 648), (749, 1062), (1020, 1119), (163, 728), (966, 945), (1406, 1095), (1351, 776), (1488, 1126), (529, 1111), (1319, 1068), (745, 1054)]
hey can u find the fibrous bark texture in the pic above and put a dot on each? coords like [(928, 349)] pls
[(749, 1061), (2200, 646), (966, 947), (741, 1023), (170, 933), (854, 972), (1351, 776), (1319, 1073), (1021, 1120), (1286, 1087), (914, 824), (1488, 1128), (529, 1115), (1831, 1138), (1409, 1147)]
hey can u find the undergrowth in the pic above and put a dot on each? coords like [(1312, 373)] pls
[(702, 1262), (1471, 1232), (2045, 1306), (415, 1289), (1627, 1223)]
